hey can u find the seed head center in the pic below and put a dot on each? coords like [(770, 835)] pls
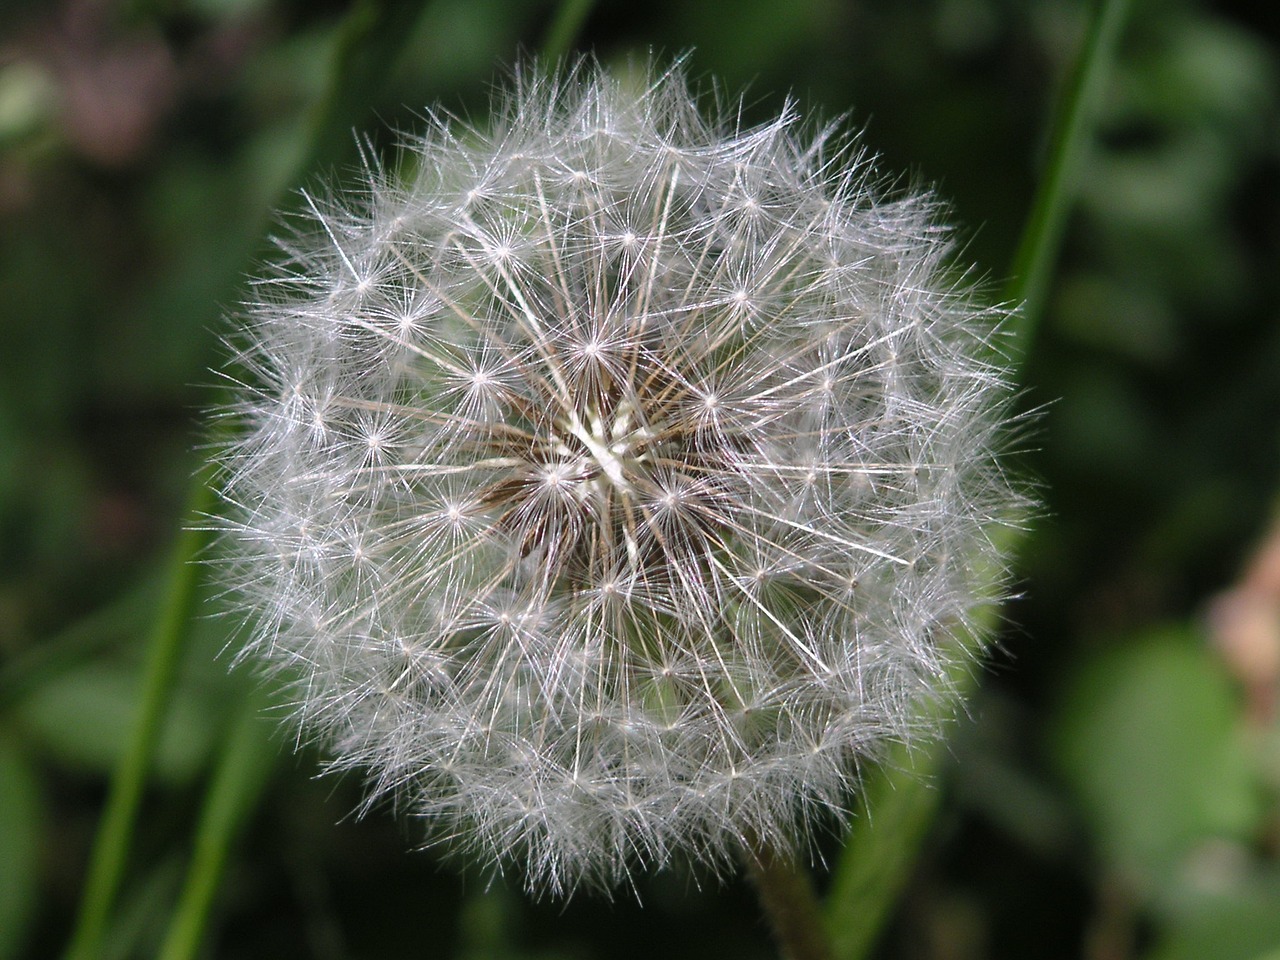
[(613, 440)]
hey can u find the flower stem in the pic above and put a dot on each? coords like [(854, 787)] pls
[(786, 894)]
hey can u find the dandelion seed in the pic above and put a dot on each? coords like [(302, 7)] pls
[(609, 486)]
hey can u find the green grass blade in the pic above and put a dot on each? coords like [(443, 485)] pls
[(116, 829), (369, 44), (233, 792), (564, 29), (368, 41), (23, 831), (1070, 139), (900, 800)]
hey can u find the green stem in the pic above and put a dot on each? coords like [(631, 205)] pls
[(234, 789), (898, 805), (786, 894), (899, 799), (564, 29), (116, 829)]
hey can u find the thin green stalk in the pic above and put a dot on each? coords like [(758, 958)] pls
[(369, 44), (242, 772), (899, 799), (1070, 139), (563, 32), (786, 894), (372, 35), (116, 829), (898, 806)]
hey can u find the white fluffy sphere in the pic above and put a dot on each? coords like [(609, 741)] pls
[(609, 482)]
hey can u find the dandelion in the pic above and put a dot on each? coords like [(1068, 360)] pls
[(611, 479)]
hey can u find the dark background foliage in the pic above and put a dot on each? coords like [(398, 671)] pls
[(1114, 788)]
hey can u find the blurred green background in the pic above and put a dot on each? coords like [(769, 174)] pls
[(1113, 791)]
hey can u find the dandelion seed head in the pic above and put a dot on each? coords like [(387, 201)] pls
[(608, 486)]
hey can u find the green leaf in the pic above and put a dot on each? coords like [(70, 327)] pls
[(898, 808), (1147, 736), (1241, 923), (84, 719)]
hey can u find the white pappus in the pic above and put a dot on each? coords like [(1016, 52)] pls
[(608, 482)]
